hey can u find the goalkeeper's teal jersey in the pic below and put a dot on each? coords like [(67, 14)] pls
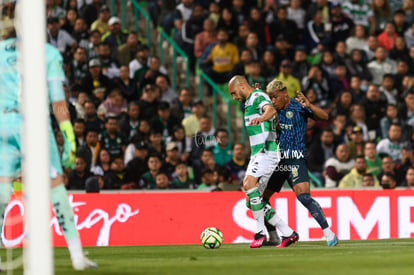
[(10, 78), (262, 137)]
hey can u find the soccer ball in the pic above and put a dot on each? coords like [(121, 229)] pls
[(211, 237)]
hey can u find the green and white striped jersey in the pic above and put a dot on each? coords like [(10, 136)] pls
[(263, 136)]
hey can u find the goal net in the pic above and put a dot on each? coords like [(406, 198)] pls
[(24, 122)]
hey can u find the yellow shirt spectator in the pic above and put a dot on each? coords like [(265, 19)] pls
[(291, 82), (224, 57)]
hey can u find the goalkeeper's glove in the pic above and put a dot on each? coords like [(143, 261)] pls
[(69, 146)]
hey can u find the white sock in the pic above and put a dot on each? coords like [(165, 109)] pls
[(281, 225), (329, 235), (75, 248)]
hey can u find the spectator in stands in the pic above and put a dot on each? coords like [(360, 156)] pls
[(238, 164), (253, 45), (409, 36), (327, 63), (387, 90), (114, 105), (101, 24), (137, 166), (358, 88), (320, 151), (256, 25), (156, 144), (183, 143), (318, 82), (338, 166), (94, 41), (391, 145), (409, 178), (225, 180), (115, 178), (207, 181), (240, 39), (171, 160), (79, 65), (382, 14), (223, 56), (109, 66), (148, 102), (399, 22), (181, 108), (254, 76), (371, 157), (203, 138), (297, 15), (69, 21), (357, 40), (388, 166), (228, 24), (182, 180), (127, 51), (357, 66), (399, 51), (368, 180), (381, 65), (115, 37), (90, 11), (357, 117), (53, 10), (140, 60), (324, 6), (90, 150), (356, 144), (360, 13), (391, 116), (338, 81), (285, 75), (206, 161), (164, 122), (111, 138), (59, 38), (338, 128), (129, 124), (126, 85), (80, 33), (192, 123), (147, 180), (92, 121), (388, 181), (222, 149), (343, 103), (95, 83), (374, 110), (204, 38), (316, 37), (342, 25), (147, 74), (354, 178), (300, 66), (78, 176), (79, 130), (407, 161), (162, 182), (240, 68), (387, 38), (168, 94)]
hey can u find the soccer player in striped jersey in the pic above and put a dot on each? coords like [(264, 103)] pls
[(293, 114), (10, 140), (259, 116)]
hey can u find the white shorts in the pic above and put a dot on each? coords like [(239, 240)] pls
[(261, 166)]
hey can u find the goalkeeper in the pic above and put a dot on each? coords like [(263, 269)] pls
[(10, 141)]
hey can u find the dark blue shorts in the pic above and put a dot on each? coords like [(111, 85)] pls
[(293, 171)]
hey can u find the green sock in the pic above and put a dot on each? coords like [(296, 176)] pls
[(6, 190), (64, 212), (257, 206)]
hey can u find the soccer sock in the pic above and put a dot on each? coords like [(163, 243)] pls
[(273, 218), (257, 206), (273, 236), (316, 212), (6, 190), (64, 215)]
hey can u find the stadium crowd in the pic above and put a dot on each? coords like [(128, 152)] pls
[(353, 58)]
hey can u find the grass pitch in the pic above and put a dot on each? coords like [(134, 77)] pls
[(349, 257)]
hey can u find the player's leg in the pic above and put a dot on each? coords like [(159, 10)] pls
[(64, 213), (301, 187)]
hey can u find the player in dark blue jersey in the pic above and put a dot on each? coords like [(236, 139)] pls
[(293, 115)]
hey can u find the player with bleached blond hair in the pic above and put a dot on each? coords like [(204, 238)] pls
[(293, 114), (10, 139)]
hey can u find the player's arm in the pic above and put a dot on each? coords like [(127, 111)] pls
[(268, 112), (318, 113)]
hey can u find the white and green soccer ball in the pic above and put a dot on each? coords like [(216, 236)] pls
[(211, 237)]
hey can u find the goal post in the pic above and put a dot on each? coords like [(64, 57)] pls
[(31, 29)]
